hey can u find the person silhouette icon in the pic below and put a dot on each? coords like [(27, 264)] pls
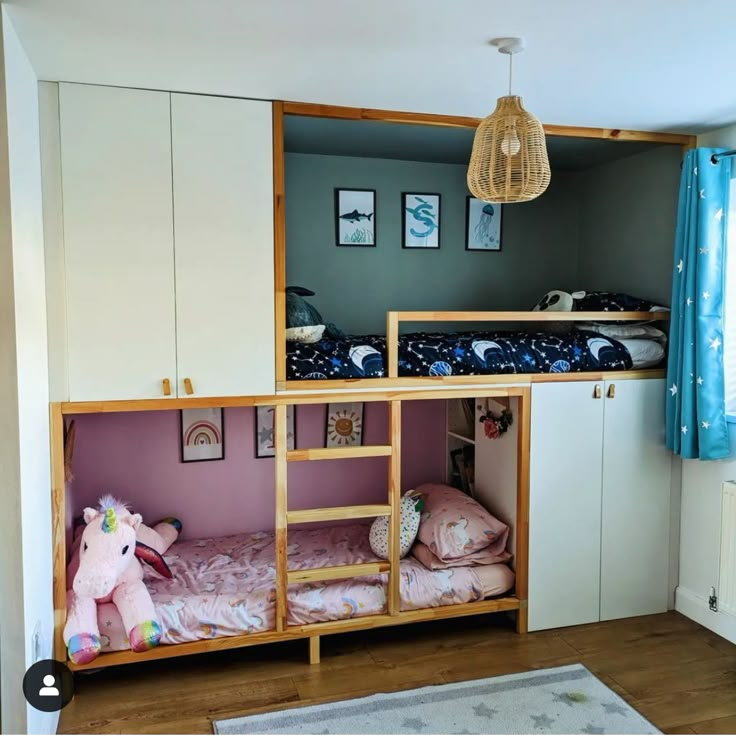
[(48, 685), (49, 688)]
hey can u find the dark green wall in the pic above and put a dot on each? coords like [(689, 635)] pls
[(356, 286)]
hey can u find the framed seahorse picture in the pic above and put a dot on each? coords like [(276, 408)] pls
[(420, 219), (482, 225)]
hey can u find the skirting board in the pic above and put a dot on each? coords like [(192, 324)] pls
[(696, 608)]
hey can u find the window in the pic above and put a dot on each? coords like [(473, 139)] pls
[(729, 335)]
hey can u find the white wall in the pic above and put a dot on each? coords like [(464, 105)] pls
[(26, 617), (700, 522)]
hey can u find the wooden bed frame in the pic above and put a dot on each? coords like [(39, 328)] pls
[(283, 518), (391, 389), (307, 109)]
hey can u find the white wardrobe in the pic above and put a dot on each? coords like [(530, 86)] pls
[(159, 236), (599, 512)]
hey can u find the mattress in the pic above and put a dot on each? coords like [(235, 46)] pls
[(466, 353), (226, 586)]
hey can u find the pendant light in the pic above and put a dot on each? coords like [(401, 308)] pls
[(509, 161)]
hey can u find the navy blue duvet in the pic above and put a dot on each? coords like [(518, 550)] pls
[(441, 354)]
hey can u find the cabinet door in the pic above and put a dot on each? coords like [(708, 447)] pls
[(565, 504), (636, 500), (223, 218), (118, 241)]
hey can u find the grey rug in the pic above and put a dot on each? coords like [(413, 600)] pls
[(563, 701)]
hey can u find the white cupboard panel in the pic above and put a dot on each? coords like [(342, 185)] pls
[(636, 500), (118, 238), (565, 504), (223, 216)]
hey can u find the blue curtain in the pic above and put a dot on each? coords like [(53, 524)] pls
[(696, 417)]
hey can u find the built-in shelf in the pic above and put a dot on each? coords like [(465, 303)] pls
[(460, 437)]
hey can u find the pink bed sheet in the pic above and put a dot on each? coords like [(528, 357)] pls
[(226, 586)]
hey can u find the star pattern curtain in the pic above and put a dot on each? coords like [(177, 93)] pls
[(696, 415)]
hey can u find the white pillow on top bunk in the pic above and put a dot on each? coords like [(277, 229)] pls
[(311, 334), (411, 512)]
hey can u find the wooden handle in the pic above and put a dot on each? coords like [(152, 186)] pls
[(597, 392), (167, 387), (188, 386), (611, 390)]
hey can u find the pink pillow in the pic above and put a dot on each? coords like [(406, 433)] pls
[(454, 525), (482, 557)]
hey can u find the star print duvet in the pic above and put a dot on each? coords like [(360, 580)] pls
[(226, 586), (441, 354)]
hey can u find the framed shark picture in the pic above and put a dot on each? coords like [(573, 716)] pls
[(355, 217)]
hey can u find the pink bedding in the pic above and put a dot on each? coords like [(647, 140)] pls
[(226, 586)]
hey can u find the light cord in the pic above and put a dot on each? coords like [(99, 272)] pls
[(511, 65)]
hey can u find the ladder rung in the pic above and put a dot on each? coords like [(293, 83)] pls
[(336, 453), (319, 514), (338, 571)]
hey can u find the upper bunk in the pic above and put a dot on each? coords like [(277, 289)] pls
[(402, 314)]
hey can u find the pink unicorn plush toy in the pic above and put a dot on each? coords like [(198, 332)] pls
[(105, 568)]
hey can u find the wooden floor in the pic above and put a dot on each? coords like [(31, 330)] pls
[(677, 674)]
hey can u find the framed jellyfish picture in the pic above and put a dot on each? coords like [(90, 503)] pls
[(202, 434), (482, 225)]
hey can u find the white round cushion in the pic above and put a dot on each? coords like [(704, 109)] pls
[(305, 334), (409, 527)]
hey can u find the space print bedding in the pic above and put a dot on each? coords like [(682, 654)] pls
[(226, 586), (442, 354)]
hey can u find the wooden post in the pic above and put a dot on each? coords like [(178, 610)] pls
[(392, 343), (280, 437), (58, 528), (394, 498), (522, 507), (279, 242), (314, 657)]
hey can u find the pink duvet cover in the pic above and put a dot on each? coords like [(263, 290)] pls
[(226, 586)]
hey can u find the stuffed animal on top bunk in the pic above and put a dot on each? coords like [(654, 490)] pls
[(303, 322), (106, 567)]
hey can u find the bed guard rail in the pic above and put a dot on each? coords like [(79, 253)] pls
[(394, 318)]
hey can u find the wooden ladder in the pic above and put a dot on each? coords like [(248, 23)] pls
[(392, 451)]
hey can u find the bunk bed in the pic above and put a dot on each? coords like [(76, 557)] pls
[(283, 610), (480, 355), (474, 353)]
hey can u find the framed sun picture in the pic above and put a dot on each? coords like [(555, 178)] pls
[(420, 220), (344, 424), (355, 217), (202, 434), (482, 225), (265, 434)]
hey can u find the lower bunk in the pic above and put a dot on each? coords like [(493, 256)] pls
[(224, 587)]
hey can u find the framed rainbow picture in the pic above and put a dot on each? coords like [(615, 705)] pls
[(202, 434)]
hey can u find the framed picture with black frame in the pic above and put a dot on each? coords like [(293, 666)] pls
[(355, 217), (482, 225), (202, 434), (266, 431), (420, 219)]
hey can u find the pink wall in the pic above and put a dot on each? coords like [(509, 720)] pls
[(136, 456)]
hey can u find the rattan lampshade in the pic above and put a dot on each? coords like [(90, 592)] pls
[(509, 160)]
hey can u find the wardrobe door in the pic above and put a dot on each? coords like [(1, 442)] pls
[(223, 219), (565, 504), (118, 241), (636, 500)]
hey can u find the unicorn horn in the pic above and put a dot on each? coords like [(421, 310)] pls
[(110, 522)]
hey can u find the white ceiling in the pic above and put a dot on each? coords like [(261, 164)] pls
[(649, 64)]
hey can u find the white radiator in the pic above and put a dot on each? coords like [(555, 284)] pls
[(727, 576)]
